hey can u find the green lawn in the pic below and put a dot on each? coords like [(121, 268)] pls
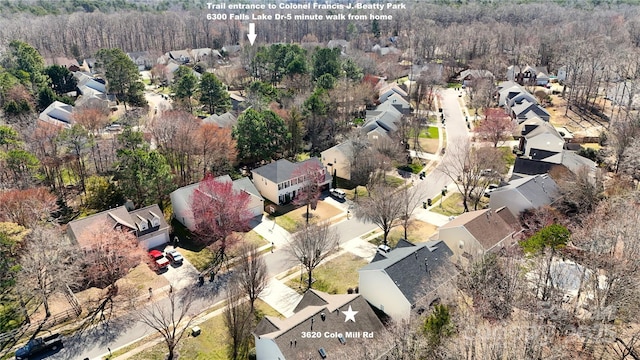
[(211, 344), (417, 231), (451, 206), (508, 157), (334, 277)]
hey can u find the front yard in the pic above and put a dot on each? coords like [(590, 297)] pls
[(295, 219), (333, 277), (211, 344), (417, 231)]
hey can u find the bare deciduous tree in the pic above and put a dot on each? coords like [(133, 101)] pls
[(171, 320), (312, 174), (472, 170), (251, 272), (496, 126), (311, 245), (383, 207), (238, 319), (47, 264)]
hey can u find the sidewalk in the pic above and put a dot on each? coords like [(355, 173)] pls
[(272, 232), (280, 297)]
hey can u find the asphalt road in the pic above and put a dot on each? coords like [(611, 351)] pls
[(112, 334)]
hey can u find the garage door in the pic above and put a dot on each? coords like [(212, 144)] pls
[(155, 241)]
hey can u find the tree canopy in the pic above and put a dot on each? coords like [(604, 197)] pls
[(260, 135), (122, 75)]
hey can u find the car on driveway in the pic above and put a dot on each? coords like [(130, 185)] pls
[(337, 194), (174, 256), (159, 261)]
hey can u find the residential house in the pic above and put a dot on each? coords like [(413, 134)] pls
[(385, 116), (530, 192), (58, 113), (387, 89), (226, 120), (205, 54), (399, 103), (237, 101), (343, 321), (507, 90), (280, 180), (527, 110), (342, 44), (528, 75), (181, 200), (473, 234), (142, 59), (337, 159), (386, 50), (467, 77), (89, 84), (541, 141), (147, 224), (69, 63), (396, 281), (231, 49)]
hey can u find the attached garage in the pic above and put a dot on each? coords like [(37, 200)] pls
[(155, 240)]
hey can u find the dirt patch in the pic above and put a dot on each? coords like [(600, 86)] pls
[(580, 126), (323, 211), (417, 232), (429, 145)]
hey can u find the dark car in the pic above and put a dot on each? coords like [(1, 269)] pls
[(174, 256)]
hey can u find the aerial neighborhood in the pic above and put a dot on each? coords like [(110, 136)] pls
[(418, 184)]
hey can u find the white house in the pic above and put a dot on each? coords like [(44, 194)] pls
[(345, 317), (181, 200), (473, 234), (529, 192), (338, 159), (280, 180), (394, 282), (148, 225), (58, 113)]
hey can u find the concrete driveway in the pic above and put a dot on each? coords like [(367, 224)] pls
[(181, 276)]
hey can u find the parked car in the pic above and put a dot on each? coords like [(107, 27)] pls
[(490, 189), (384, 248), (160, 262), (39, 345), (174, 256), (488, 172), (337, 193)]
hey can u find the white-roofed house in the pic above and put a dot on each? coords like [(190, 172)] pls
[(58, 113), (182, 197)]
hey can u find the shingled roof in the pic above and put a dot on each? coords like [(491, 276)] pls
[(487, 226), (416, 269), (319, 312)]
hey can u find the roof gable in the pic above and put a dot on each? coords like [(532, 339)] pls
[(416, 269), (283, 169)]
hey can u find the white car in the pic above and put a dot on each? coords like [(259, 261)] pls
[(337, 193)]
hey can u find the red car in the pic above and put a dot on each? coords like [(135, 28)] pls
[(159, 260)]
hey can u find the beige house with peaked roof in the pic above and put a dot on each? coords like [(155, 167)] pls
[(147, 224), (473, 234), (340, 320)]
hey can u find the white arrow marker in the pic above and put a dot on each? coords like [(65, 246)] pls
[(252, 33)]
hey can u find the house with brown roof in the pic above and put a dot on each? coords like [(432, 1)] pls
[(147, 224), (473, 234), (322, 325)]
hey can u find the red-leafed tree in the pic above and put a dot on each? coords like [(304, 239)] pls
[(312, 174), (496, 126), (108, 254), (218, 211), (27, 207)]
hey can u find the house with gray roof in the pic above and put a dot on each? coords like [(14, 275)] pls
[(539, 140), (399, 103), (396, 281), (181, 200), (342, 320), (280, 181), (467, 77), (530, 192), (58, 113), (385, 116), (527, 110), (528, 75), (226, 120), (473, 234), (147, 224)]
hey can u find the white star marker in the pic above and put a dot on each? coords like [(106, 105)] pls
[(350, 315)]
